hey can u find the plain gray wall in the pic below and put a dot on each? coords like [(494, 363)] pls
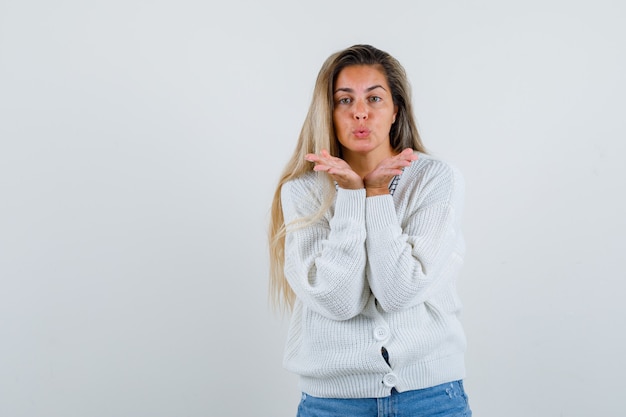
[(140, 145)]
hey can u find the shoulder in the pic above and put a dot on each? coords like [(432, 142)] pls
[(436, 177), (304, 185), (433, 167), (303, 193)]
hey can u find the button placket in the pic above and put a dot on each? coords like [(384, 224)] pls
[(381, 333), (390, 380)]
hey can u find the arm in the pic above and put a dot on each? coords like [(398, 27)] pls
[(410, 258), (325, 261)]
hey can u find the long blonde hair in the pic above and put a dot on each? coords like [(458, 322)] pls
[(318, 133)]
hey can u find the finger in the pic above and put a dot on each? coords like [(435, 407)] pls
[(408, 154), (394, 163), (331, 168), (339, 171), (403, 159), (323, 157)]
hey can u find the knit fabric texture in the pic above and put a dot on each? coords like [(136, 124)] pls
[(376, 272)]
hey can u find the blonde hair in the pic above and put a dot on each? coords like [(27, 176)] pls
[(318, 133)]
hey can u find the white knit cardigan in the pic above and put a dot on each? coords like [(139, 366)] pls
[(376, 272)]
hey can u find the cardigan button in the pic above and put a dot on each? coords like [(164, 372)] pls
[(381, 333), (390, 380)]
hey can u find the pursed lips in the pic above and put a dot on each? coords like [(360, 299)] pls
[(361, 132)]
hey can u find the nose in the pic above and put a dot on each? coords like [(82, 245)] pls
[(360, 111)]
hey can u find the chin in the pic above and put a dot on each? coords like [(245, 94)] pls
[(361, 150)]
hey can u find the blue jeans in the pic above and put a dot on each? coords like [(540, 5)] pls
[(445, 400)]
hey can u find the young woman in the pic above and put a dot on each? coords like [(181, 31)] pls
[(365, 249)]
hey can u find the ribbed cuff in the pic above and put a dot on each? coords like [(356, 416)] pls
[(350, 204), (380, 212)]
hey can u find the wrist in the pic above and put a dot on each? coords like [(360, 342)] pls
[(375, 191)]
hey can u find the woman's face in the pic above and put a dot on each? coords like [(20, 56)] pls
[(364, 111)]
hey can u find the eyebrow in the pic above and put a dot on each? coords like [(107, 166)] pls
[(367, 90)]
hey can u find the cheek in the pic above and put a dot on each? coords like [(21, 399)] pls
[(338, 124), (336, 118)]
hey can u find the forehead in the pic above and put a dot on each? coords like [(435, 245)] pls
[(363, 76)]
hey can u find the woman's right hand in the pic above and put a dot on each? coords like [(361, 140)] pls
[(337, 168)]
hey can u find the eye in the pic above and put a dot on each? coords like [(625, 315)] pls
[(375, 99), (345, 100)]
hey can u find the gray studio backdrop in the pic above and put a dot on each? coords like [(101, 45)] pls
[(140, 145)]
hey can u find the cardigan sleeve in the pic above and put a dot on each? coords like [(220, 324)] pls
[(325, 260), (411, 257)]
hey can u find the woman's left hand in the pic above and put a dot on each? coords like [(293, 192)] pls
[(377, 181)]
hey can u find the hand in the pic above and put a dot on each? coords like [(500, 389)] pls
[(337, 168), (377, 181)]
